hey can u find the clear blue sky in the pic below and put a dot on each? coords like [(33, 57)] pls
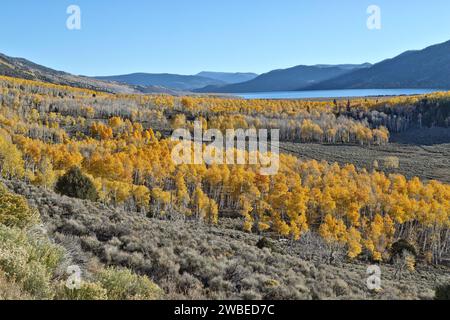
[(188, 36)]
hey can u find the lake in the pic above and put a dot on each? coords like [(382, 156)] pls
[(350, 93)]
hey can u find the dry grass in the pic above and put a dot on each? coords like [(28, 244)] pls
[(427, 162), (193, 261)]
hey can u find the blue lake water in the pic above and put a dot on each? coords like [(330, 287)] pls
[(350, 93)]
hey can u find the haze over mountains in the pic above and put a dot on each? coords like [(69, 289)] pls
[(171, 81), (227, 77), (291, 79), (133, 83), (181, 82), (428, 68)]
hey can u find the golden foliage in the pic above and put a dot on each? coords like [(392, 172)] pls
[(131, 167)]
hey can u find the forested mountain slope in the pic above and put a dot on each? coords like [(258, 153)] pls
[(22, 68)]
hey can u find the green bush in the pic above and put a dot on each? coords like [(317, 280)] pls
[(75, 184), (14, 210), (122, 284), (443, 292), (112, 284), (29, 261), (87, 291), (37, 281), (265, 243), (9, 290)]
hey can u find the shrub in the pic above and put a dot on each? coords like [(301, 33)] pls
[(399, 247), (391, 162), (187, 284), (443, 292), (9, 290), (14, 210), (48, 254), (340, 287), (251, 295), (75, 184), (184, 257), (271, 283), (37, 280), (30, 262), (87, 291), (265, 243), (122, 284)]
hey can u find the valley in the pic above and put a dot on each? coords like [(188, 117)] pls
[(210, 159), (362, 181)]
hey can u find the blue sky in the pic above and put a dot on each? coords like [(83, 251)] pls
[(181, 36)]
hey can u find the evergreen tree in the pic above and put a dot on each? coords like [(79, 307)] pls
[(76, 185)]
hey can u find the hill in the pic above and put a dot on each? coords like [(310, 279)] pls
[(286, 79), (191, 230), (171, 81), (427, 68), (195, 261), (228, 77), (22, 68)]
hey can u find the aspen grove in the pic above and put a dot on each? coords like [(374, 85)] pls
[(121, 143)]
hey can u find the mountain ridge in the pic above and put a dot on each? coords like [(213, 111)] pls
[(25, 69), (286, 79), (167, 80), (428, 68), (229, 77)]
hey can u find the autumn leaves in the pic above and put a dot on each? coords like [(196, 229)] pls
[(129, 163)]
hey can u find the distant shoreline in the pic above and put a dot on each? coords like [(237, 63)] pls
[(327, 94), (336, 94)]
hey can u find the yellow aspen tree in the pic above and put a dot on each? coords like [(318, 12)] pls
[(354, 239), (182, 194), (333, 230), (212, 212), (199, 202), (141, 196)]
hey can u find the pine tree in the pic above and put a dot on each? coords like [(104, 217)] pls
[(76, 185)]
